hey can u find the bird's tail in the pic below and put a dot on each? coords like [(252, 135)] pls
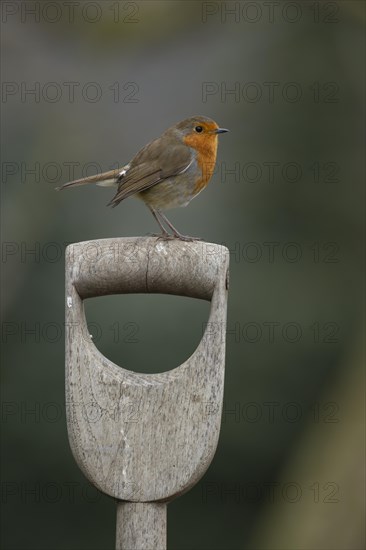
[(107, 179)]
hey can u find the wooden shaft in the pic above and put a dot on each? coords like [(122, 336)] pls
[(141, 526)]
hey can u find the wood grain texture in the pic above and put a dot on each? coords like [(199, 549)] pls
[(141, 526), (144, 437)]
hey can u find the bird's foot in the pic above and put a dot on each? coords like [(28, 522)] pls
[(165, 236), (168, 237), (186, 238)]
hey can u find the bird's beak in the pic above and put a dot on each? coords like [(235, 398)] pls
[(221, 130)]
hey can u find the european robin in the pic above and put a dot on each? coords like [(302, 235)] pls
[(168, 172)]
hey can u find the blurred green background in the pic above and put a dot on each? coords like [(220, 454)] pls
[(287, 199)]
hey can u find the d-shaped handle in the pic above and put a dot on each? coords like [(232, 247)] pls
[(144, 437)]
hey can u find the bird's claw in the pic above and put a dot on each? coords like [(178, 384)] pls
[(187, 238), (178, 236)]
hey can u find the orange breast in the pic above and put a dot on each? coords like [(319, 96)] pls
[(206, 147)]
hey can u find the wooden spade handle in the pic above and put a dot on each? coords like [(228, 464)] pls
[(161, 451)]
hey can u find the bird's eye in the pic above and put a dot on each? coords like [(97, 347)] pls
[(198, 129)]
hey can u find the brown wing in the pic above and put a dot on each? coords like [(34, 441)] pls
[(157, 161)]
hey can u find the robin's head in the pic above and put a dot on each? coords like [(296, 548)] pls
[(200, 126), (200, 133)]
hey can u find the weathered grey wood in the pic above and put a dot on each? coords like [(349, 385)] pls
[(145, 264), (141, 525), (144, 437)]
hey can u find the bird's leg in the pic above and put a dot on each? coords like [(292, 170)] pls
[(164, 233), (175, 232)]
